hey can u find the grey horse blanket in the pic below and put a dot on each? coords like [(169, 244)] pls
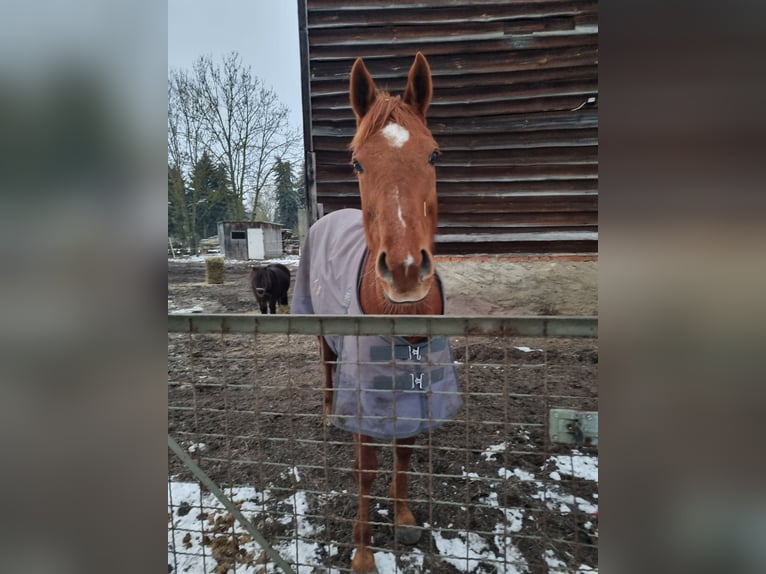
[(384, 387)]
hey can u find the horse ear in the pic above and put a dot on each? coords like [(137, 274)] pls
[(419, 87), (362, 91)]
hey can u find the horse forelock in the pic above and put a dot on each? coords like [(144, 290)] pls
[(384, 110)]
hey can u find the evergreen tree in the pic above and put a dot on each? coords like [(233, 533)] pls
[(289, 194), (178, 215), (212, 198)]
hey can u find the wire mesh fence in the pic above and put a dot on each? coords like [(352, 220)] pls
[(491, 490)]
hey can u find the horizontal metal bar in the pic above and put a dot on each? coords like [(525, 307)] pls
[(385, 325)]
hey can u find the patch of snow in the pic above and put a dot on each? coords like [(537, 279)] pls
[(551, 493), (557, 566), (412, 561), (471, 475), (195, 309), (493, 450), (286, 260), (197, 446), (514, 516), (526, 349), (465, 552), (192, 514), (513, 562), (577, 465), (385, 561), (522, 475), (555, 500)]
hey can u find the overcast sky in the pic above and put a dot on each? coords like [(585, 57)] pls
[(264, 32)]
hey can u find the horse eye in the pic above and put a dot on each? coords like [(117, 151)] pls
[(434, 157), (357, 166)]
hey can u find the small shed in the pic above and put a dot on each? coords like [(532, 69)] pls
[(245, 240)]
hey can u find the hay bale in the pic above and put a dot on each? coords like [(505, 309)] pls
[(214, 270)]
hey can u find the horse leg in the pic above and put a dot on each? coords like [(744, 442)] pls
[(273, 306), (328, 359), (406, 532), (365, 467)]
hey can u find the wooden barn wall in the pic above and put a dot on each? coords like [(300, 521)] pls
[(515, 112)]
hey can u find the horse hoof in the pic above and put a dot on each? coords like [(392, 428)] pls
[(408, 534)]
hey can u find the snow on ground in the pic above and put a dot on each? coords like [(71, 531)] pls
[(286, 260), (577, 465), (194, 514)]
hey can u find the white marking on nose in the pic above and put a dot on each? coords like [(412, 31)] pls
[(407, 262), (396, 135), (398, 206)]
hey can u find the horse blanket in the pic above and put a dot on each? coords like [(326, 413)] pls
[(384, 387)]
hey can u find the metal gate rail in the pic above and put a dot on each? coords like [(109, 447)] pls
[(386, 325)]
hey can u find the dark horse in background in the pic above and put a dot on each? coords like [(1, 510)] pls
[(270, 285), (380, 261)]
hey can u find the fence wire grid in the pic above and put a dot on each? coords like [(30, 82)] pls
[(490, 489)]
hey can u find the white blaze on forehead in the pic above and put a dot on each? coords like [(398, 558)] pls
[(396, 135)]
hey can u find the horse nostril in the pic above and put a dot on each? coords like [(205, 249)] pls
[(425, 266), (260, 291), (382, 267)]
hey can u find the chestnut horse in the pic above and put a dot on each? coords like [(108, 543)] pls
[(380, 261)]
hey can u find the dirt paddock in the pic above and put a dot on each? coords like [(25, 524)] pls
[(493, 493)]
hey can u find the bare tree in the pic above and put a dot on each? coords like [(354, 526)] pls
[(186, 140), (238, 120)]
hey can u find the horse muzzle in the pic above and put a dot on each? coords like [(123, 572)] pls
[(405, 281)]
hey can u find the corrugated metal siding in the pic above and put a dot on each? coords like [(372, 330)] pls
[(514, 112)]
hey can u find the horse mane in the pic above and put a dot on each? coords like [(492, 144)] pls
[(385, 109)]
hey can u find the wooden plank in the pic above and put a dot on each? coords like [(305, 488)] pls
[(463, 32), (459, 62), (517, 247), (349, 7), (546, 235), (505, 190), (373, 15), (538, 104), (485, 204), (506, 173), (501, 219), (521, 156), (569, 120), (478, 144), (469, 95), (339, 86)]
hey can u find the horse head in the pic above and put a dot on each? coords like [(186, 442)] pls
[(393, 155)]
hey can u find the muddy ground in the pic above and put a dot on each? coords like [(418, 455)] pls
[(256, 401)]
